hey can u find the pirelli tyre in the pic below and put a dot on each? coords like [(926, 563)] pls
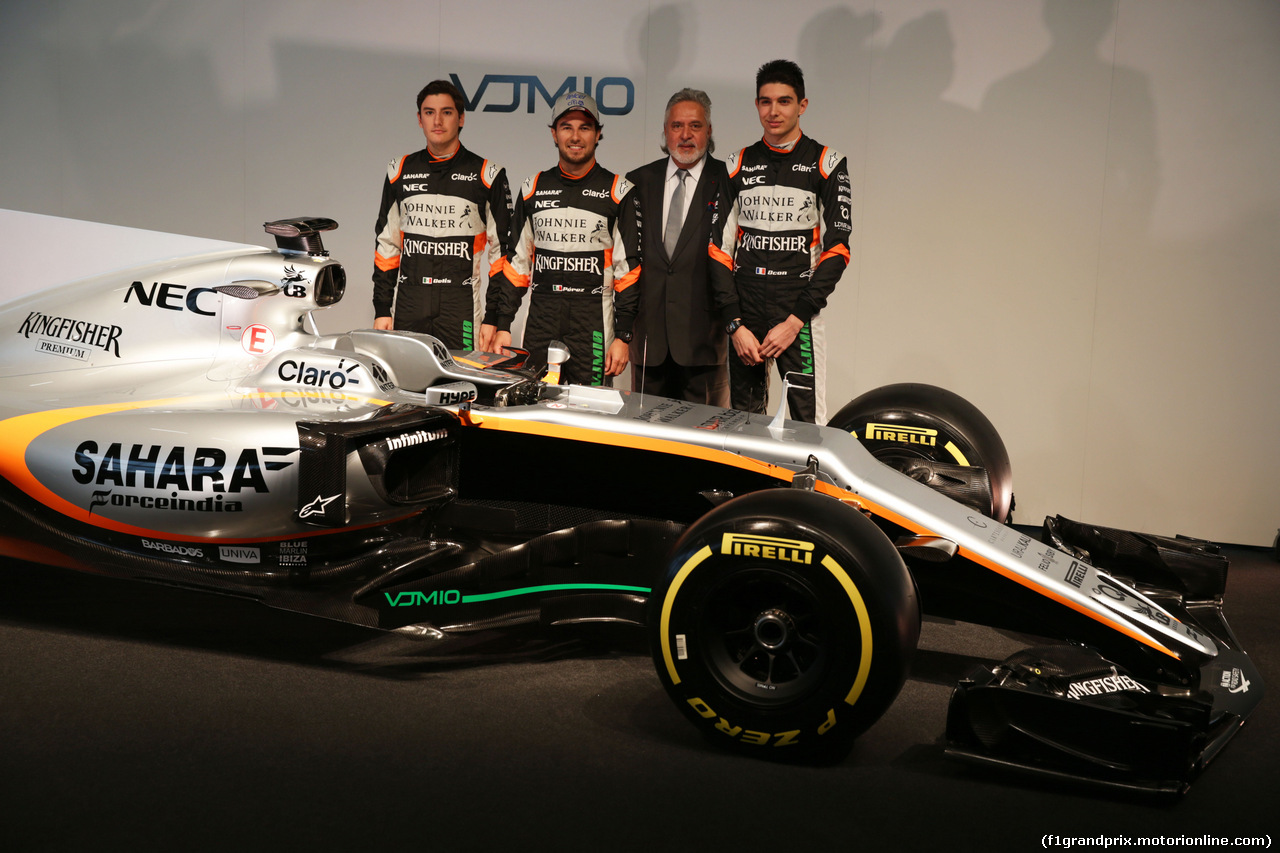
[(784, 625), (907, 426)]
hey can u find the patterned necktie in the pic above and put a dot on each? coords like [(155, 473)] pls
[(675, 216)]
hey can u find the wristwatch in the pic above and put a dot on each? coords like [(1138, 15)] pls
[(734, 325), (625, 337)]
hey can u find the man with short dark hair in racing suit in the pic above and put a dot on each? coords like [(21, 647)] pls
[(576, 245), (781, 243), (443, 209)]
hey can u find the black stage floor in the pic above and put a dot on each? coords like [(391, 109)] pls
[(139, 717)]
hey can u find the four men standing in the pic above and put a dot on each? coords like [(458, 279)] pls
[(747, 251)]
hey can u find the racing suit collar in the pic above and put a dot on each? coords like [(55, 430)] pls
[(787, 147), (581, 177), (449, 156)]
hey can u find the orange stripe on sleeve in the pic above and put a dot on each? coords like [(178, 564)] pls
[(719, 255), (384, 263), (514, 277), (838, 250), (627, 280)]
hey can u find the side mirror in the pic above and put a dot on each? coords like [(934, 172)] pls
[(557, 354)]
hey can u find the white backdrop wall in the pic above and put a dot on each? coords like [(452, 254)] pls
[(1069, 210)]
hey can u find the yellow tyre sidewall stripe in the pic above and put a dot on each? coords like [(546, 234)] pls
[(837, 572)]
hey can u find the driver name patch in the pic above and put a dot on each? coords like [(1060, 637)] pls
[(767, 548)]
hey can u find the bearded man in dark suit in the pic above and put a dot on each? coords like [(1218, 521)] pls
[(678, 348)]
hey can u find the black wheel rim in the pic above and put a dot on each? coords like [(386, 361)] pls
[(766, 636)]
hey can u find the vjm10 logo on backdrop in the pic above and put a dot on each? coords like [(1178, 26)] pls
[(615, 96)]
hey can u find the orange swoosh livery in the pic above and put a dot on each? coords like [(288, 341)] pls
[(784, 475)]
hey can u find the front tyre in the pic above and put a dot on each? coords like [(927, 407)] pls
[(902, 424), (784, 625)]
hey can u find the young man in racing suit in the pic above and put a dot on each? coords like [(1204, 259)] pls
[(443, 210), (779, 247), (576, 245)]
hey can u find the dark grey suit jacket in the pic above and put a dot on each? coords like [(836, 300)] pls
[(677, 308)]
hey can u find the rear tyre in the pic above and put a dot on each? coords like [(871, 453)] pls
[(784, 625)]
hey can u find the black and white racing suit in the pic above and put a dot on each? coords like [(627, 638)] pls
[(780, 244), (436, 221), (576, 244)]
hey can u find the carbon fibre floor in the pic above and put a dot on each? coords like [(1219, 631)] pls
[(143, 718)]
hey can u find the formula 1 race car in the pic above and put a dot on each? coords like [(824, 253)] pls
[(184, 423)]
